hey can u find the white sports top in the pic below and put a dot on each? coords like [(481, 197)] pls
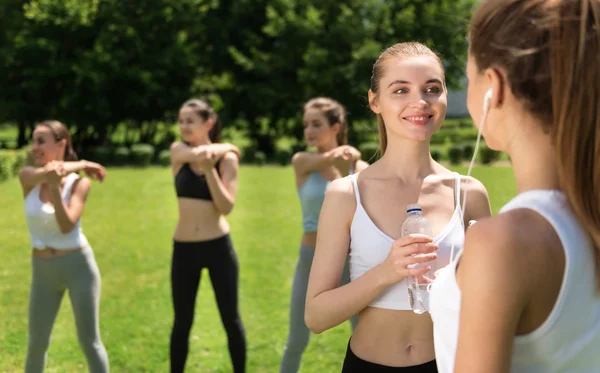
[(41, 221), (369, 246), (569, 339)]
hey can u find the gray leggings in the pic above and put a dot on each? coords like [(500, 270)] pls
[(78, 273), (299, 333)]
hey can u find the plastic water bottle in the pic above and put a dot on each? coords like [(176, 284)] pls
[(418, 292)]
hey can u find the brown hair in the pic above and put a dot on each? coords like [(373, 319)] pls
[(60, 132), (334, 112), (206, 112), (400, 50), (550, 51)]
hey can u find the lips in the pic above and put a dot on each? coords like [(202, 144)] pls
[(418, 119)]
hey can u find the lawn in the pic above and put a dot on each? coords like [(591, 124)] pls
[(129, 221)]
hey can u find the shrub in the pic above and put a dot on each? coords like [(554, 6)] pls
[(455, 154), (436, 154), (164, 157), (101, 154), (369, 151), (467, 151), (487, 155), (22, 158), (122, 155), (11, 161), (7, 162), (260, 158), (283, 156), (142, 154), (249, 153)]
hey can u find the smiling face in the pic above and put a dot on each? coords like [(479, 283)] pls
[(192, 127), (317, 129), (411, 97), (45, 147)]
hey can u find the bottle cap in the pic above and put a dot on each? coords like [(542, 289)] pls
[(413, 207)]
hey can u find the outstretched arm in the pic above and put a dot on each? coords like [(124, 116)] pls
[(327, 303), (182, 153)]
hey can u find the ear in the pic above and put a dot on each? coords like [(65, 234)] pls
[(209, 123), (336, 128), (373, 102), (497, 81)]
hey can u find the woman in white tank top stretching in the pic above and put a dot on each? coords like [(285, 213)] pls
[(524, 294), (62, 258), (363, 216)]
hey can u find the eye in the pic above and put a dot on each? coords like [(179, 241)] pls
[(402, 90), (433, 90)]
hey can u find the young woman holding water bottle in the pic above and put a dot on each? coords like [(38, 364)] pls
[(363, 216), (325, 128), (524, 295)]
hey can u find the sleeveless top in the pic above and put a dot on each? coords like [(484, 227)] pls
[(569, 339), (369, 246), (311, 194), (44, 230), (189, 184)]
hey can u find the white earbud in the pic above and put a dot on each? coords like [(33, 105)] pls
[(486, 100)]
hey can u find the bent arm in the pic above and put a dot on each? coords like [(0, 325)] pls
[(327, 303), (67, 214), (224, 189)]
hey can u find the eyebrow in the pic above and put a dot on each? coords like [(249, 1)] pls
[(407, 82)]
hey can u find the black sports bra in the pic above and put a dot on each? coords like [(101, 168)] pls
[(189, 184)]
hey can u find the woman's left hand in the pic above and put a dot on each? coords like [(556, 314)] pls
[(207, 161)]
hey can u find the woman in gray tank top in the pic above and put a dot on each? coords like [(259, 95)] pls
[(325, 129)]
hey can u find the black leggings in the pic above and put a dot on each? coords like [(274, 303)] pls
[(189, 258), (354, 364)]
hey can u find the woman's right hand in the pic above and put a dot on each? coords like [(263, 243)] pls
[(408, 250), (54, 171)]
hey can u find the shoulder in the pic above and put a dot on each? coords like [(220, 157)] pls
[(230, 158), (360, 165), (81, 185), (507, 242), (339, 197), (177, 145), (471, 184), (478, 201), (24, 171), (298, 156), (229, 162), (341, 190)]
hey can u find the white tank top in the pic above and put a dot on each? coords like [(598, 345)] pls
[(41, 221), (569, 339), (369, 246)]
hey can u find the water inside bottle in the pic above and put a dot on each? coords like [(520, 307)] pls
[(419, 298)]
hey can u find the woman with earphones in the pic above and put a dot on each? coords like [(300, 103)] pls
[(362, 217), (524, 294)]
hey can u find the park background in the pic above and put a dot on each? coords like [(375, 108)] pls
[(117, 71)]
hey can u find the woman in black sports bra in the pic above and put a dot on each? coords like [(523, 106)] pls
[(206, 184)]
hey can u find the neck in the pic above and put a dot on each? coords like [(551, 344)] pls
[(408, 160), (203, 141), (325, 148), (533, 169)]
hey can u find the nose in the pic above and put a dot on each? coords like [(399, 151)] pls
[(420, 100)]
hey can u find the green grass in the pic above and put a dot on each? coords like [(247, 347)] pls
[(129, 221)]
